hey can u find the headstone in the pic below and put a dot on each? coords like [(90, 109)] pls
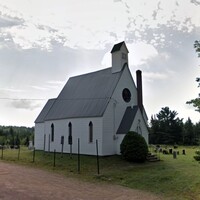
[(174, 154), (30, 146)]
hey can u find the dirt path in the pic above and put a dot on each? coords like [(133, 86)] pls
[(23, 183)]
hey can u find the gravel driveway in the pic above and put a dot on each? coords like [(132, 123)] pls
[(24, 183)]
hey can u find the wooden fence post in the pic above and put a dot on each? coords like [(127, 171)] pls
[(33, 154), (79, 155), (54, 158), (18, 152), (2, 153), (97, 157)]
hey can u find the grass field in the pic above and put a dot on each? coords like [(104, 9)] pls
[(171, 178)]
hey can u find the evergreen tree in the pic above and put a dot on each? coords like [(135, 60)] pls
[(188, 132), (166, 127), (12, 137), (196, 102), (197, 133)]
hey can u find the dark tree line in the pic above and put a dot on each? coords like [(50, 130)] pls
[(167, 128), (15, 136)]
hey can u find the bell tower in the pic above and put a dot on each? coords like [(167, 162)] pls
[(119, 56)]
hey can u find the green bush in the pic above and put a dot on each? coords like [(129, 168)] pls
[(197, 157), (134, 147)]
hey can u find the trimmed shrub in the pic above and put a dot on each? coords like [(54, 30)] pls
[(134, 147)]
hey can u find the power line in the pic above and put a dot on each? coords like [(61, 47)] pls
[(22, 99)]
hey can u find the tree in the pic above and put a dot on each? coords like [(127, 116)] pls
[(12, 138), (197, 133), (166, 127), (196, 102), (188, 133), (17, 141), (197, 47)]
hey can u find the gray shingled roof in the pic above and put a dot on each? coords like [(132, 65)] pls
[(45, 110), (127, 120), (83, 96)]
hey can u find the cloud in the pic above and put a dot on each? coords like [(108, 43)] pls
[(39, 88), (155, 76), (196, 2), (56, 82), (25, 104), (6, 21), (12, 90), (136, 17), (54, 40), (140, 54)]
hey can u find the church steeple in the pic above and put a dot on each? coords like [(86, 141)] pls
[(119, 56)]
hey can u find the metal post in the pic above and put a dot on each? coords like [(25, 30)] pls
[(70, 151), (79, 155), (49, 143), (62, 145), (33, 154), (44, 141), (18, 152), (62, 151), (54, 158), (2, 153), (97, 157)]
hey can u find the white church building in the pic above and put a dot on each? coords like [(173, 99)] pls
[(102, 105)]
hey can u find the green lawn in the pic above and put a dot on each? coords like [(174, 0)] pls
[(173, 178)]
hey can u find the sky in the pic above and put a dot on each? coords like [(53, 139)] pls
[(44, 42)]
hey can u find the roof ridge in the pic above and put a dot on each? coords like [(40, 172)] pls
[(108, 68)]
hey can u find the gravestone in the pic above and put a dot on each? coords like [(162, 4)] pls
[(174, 154), (30, 146)]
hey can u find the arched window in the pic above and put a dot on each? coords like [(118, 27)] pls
[(90, 132), (70, 133), (52, 132)]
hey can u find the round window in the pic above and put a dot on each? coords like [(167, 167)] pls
[(126, 94)]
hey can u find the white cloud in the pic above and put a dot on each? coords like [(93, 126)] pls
[(140, 53), (56, 82), (25, 104), (39, 87), (74, 35), (12, 90), (91, 24), (155, 76)]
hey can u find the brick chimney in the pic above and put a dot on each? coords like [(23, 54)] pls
[(139, 89)]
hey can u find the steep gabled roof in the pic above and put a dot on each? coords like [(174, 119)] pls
[(45, 110), (127, 120), (83, 96)]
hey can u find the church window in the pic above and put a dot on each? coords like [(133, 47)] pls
[(52, 132), (90, 132), (70, 133), (126, 94)]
